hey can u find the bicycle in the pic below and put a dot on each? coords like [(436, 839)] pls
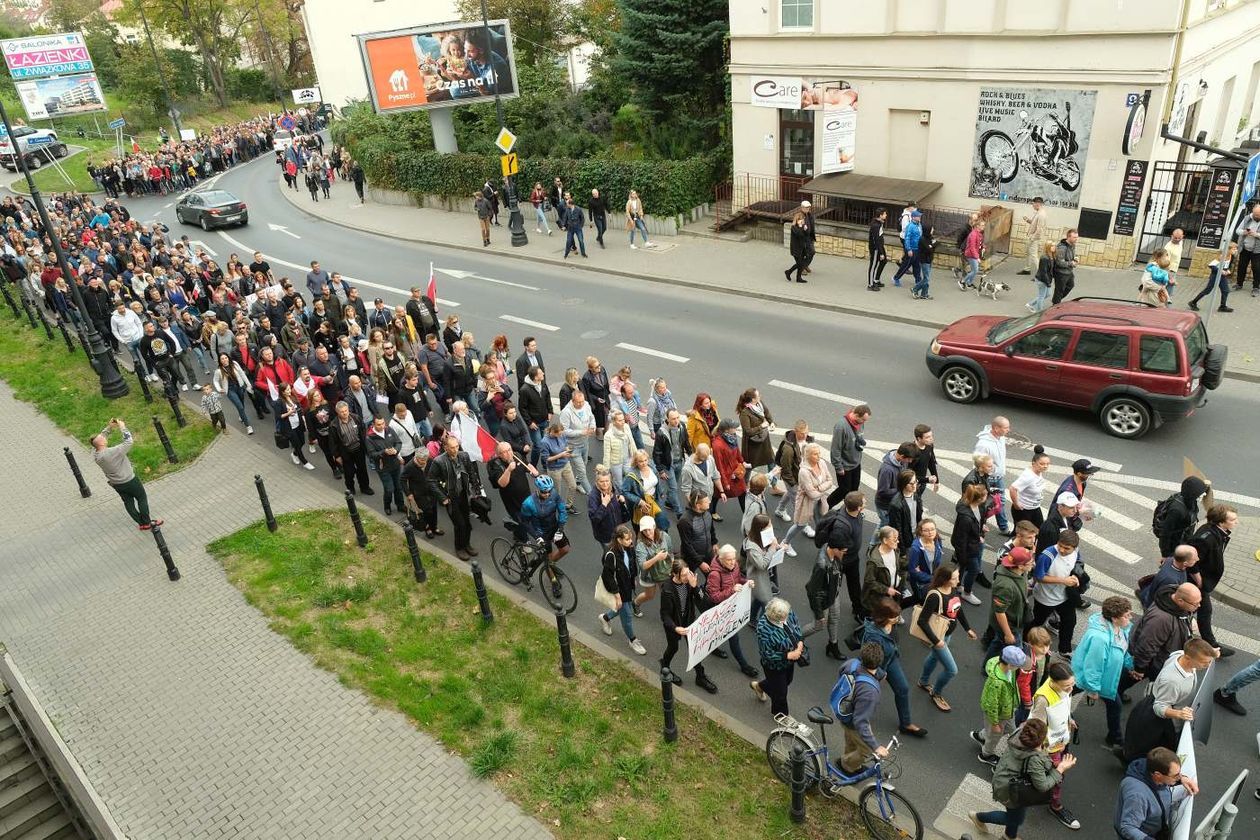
[(517, 562), (886, 814)]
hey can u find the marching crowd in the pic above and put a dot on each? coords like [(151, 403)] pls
[(403, 399)]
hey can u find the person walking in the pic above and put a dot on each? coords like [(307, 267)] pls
[(911, 236), (538, 198), (1211, 541), (1043, 279), (1036, 221), (1158, 718), (1102, 656), (967, 537), (859, 736), (598, 209), (291, 424), (1053, 575), (1065, 266), (798, 247), (925, 254), (481, 206), (350, 448), (880, 629), (618, 575), (1248, 237), (574, 226), (972, 252), (681, 604), (1024, 759), (757, 548), (1218, 275), (1150, 793), (942, 606), (1052, 703), (1008, 608), (1227, 695), (652, 552), (807, 210), (814, 484), (384, 448), (357, 178), (847, 444), (780, 645), (116, 465), (634, 219), (724, 580), (878, 257), (456, 482)]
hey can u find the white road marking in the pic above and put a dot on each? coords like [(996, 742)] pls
[(168, 206), (525, 322), (682, 360), (354, 280), (813, 392), (460, 274), (1102, 543), (283, 230), (1172, 486), (207, 248), (1070, 457)]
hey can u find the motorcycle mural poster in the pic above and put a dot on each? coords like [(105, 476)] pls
[(1032, 142)]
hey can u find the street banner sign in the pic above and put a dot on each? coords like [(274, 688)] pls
[(304, 96), (39, 141), (117, 124), (715, 626), (1249, 179), (505, 141), (510, 164), (35, 56)]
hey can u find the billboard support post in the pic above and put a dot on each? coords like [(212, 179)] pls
[(443, 131), (516, 223)]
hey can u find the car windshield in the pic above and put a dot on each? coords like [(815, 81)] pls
[(214, 198), (1196, 343), (1012, 326), (282, 135)]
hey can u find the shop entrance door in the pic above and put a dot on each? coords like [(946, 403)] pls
[(1177, 195)]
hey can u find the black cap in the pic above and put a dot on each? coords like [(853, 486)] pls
[(1084, 466)]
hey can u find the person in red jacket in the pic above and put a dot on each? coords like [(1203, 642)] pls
[(730, 463), (725, 578), (272, 373)]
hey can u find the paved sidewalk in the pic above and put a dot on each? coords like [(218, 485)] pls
[(192, 718), (756, 268)]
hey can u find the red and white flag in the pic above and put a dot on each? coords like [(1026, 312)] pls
[(486, 444), (431, 290), (473, 438)]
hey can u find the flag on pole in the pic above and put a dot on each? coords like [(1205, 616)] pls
[(473, 438), (486, 443), (431, 290), (135, 147)]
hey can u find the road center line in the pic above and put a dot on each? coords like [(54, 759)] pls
[(682, 360), (813, 392), (525, 322)]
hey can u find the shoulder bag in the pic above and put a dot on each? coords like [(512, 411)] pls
[(602, 596), (1021, 792), (937, 622)]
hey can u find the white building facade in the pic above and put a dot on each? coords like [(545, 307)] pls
[(970, 103)]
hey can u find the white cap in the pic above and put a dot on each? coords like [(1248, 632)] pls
[(806, 204), (647, 523), (1068, 499)]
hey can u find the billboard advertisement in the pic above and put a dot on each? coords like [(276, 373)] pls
[(64, 96), (35, 56), (438, 66), (1032, 142)]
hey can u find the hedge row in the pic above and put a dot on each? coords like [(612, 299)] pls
[(667, 187)]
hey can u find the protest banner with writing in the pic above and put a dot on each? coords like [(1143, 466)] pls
[(715, 626)]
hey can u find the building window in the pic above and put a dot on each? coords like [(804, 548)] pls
[(797, 14), (796, 138)]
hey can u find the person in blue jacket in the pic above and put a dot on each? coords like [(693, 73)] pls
[(543, 518), (1149, 794), (911, 237), (1102, 657), (879, 628)]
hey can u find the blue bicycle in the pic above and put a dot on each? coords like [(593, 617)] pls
[(886, 814)]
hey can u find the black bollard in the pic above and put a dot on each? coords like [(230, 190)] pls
[(171, 571), (47, 326), (144, 383), (166, 442), (8, 298), (797, 811), (356, 520), (266, 504), (84, 490), (667, 705), (483, 598), (566, 650), (172, 397), (417, 565), (65, 333), (30, 312)]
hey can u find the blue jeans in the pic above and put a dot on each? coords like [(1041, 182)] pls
[(973, 267), (234, 397), (1003, 523), (391, 481), (141, 367), (1012, 818), (882, 513), (901, 691), (737, 651), (971, 571), (540, 220), (424, 428), (569, 236), (1042, 300), (535, 444), (626, 613), (1242, 679), (667, 495), (949, 669), (921, 283), (641, 227)]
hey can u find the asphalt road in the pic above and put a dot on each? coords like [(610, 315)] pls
[(817, 362)]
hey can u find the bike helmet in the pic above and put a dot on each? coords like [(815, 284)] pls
[(544, 484)]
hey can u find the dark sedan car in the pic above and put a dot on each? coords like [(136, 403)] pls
[(211, 209)]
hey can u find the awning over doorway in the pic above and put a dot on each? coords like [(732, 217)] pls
[(870, 188)]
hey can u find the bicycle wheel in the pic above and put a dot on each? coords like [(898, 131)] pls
[(779, 748), (888, 815), (557, 589), (507, 560)]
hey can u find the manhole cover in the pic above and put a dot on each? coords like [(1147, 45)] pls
[(593, 335), (573, 301)]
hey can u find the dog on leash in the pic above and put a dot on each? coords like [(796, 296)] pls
[(982, 285)]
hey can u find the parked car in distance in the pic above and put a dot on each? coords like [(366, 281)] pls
[(44, 149), (1134, 365), (211, 209), (281, 140)]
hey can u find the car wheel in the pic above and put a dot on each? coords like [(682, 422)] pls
[(60, 150), (205, 225), (960, 384), (34, 161), (1126, 417)]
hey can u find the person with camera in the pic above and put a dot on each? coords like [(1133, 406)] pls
[(116, 465)]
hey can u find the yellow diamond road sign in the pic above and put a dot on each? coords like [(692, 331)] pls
[(505, 141), (510, 164)]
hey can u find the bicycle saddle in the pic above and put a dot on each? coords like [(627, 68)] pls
[(817, 715)]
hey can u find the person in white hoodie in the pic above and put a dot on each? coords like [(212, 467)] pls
[(991, 441), (128, 329)]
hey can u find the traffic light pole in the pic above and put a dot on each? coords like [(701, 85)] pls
[(516, 222), (112, 384)]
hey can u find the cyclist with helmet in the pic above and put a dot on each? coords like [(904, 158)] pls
[(543, 517)]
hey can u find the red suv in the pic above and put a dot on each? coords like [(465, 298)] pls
[(1133, 364)]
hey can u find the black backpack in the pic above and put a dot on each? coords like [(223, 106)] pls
[(823, 532), (1161, 514)]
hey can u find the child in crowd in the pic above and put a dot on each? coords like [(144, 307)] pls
[(213, 407), (999, 700), (1033, 672)]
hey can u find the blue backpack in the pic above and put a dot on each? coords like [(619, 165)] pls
[(842, 692)]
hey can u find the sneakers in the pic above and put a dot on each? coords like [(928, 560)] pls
[(990, 760), (638, 613), (809, 531), (633, 247), (977, 736), (1224, 309), (308, 466), (756, 687), (310, 447), (784, 515), (962, 287), (294, 458), (637, 647), (1229, 701), (1066, 817), (984, 581), (605, 625), (789, 551), (183, 386), (1193, 306), (971, 599), (249, 430)]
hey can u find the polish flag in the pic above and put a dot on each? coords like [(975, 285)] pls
[(473, 438), (431, 290), (485, 443)]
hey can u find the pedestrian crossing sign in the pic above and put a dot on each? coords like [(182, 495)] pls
[(511, 164)]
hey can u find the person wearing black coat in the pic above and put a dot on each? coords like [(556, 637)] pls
[(455, 482), (534, 402), (967, 538), (1210, 541), (799, 248), (349, 443), (875, 249), (619, 575), (697, 537), (901, 510), (514, 431), (1182, 515), (594, 383), (681, 603), (527, 361)]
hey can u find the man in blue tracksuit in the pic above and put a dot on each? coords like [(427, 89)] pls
[(911, 236)]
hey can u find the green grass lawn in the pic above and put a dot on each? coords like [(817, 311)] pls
[(584, 756), (65, 388)]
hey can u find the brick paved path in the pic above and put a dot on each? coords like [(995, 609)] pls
[(188, 714)]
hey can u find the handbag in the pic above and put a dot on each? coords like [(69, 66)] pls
[(1021, 792), (602, 596), (282, 440), (938, 623)]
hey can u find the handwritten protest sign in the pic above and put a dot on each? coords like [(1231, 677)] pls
[(715, 626)]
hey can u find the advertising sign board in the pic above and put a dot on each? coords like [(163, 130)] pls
[(34, 56)]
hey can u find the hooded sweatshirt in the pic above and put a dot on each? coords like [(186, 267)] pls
[(1142, 805), (886, 483), (994, 447), (999, 697), (1182, 515)]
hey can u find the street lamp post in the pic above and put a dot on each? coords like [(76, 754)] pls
[(157, 66), (112, 384), (516, 222)]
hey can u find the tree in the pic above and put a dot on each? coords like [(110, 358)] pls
[(542, 29), (672, 53), (212, 26)]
